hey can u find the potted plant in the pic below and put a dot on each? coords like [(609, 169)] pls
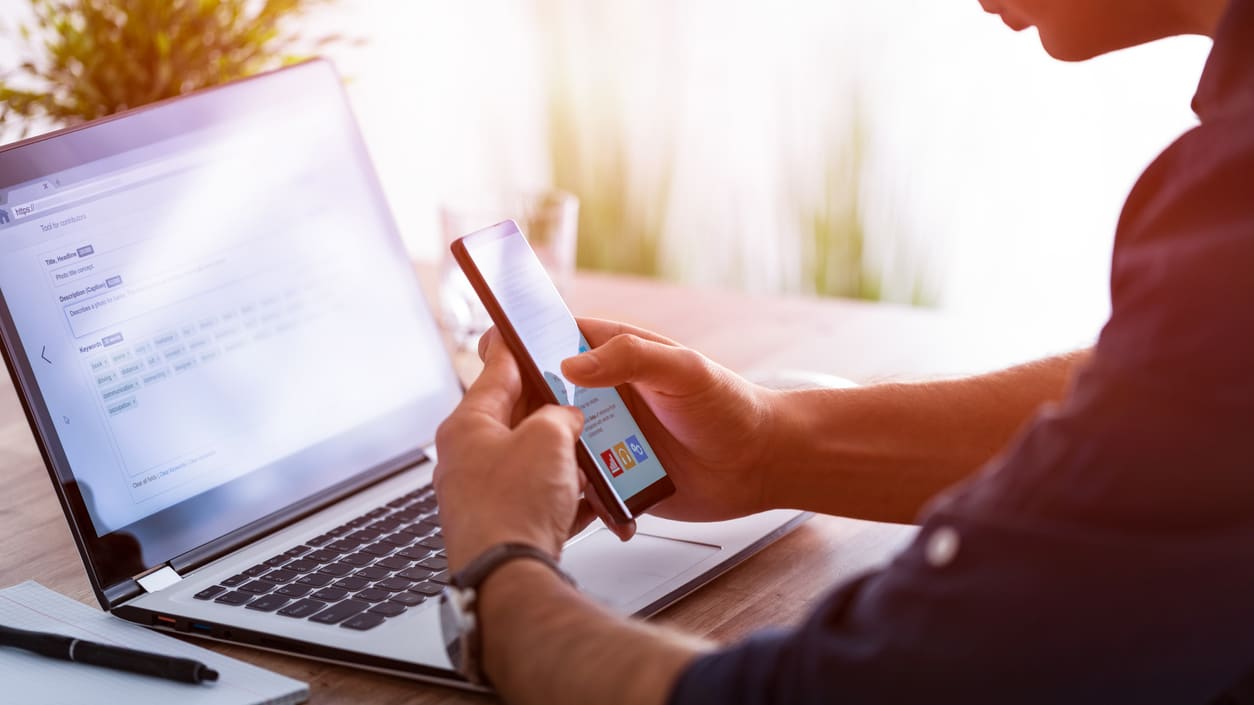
[(90, 58)]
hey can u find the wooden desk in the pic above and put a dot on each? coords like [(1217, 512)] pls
[(860, 341)]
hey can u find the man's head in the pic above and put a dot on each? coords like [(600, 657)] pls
[(1074, 30)]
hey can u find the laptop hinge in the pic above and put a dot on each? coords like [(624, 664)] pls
[(159, 579)]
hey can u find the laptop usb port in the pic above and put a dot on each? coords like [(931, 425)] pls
[(201, 627)]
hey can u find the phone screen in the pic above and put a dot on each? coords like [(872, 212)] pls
[(549, 333)]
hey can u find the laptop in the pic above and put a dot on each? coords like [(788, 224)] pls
[(235, 380)]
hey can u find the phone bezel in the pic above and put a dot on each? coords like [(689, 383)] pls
[(621, 511)]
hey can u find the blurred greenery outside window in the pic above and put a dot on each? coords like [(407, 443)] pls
[(85, 59)]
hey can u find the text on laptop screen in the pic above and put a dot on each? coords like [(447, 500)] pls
[(219, 303)]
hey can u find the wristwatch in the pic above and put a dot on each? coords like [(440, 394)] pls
[(459, 605)]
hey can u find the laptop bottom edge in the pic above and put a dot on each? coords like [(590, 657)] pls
[(230, 634)]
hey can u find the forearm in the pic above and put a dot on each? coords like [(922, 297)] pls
[(537, 629), (882, 452)]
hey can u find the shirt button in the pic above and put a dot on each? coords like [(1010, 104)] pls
[(942, 546)]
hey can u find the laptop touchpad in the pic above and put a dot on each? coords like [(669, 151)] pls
[(618, 573)]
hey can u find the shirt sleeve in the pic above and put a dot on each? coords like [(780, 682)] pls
[(1108, 555)]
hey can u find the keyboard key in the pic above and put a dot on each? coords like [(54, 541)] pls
[(341, 530), (394, 584), (235, 597), (378, 549), (344, 545), (363, 621), (414, 553), (210, 592), (352, 583), (358, 559), (297, 551), (399, 539), (268, 603), (400, 502), (428, 589), (302, 565), (302, 608), (374, 572), (434, 563), (257, 570), (394, 562), (376, 512), (257, 586), (363, 535), (373, 595), (426, 527), (339, 611), (359, 522), (435, 543), (385, 525), (235, 580), (320, 540), (409, 599), (280, 576), (316, 579), (415, 573), (387, 609), (276, 561), (324, 555), (339, 570), (330, 594), (440, 578), (409, 514), (294, 590), (413, 527)]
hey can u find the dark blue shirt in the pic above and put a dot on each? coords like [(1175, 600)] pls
[(1108, 555)]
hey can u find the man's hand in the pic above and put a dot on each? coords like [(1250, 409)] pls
[(710, 427), (505, 475), (501, 481)]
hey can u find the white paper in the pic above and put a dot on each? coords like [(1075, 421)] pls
[(32, 679)]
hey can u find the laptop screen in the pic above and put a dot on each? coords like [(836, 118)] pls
[(212, 315)]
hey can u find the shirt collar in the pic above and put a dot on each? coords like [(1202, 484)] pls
[(1228, 80)]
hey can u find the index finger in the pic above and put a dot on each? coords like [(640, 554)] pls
[(498, 387), (600, 330)]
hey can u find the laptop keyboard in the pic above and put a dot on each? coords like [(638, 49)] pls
[(357, 575)]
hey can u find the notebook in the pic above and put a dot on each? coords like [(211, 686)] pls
[(33, 679)]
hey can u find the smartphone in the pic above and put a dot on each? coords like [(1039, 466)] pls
[(620, 464)]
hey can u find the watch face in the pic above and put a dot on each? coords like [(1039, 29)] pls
[(450, 627), (457, 623)]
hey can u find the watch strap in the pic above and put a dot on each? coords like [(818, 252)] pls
[(478, 570)]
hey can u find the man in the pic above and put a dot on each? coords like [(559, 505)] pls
[(1104, 554)]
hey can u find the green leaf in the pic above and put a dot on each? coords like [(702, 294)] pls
[(95, 57)]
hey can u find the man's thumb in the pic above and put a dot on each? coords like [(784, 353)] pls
[(628, 358)]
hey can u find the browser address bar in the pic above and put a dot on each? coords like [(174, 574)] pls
[(90, 189), (63, 197), (134, 175)]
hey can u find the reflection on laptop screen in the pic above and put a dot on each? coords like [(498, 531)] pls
[(210, 305)]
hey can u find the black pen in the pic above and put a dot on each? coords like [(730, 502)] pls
[(68, 648)]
